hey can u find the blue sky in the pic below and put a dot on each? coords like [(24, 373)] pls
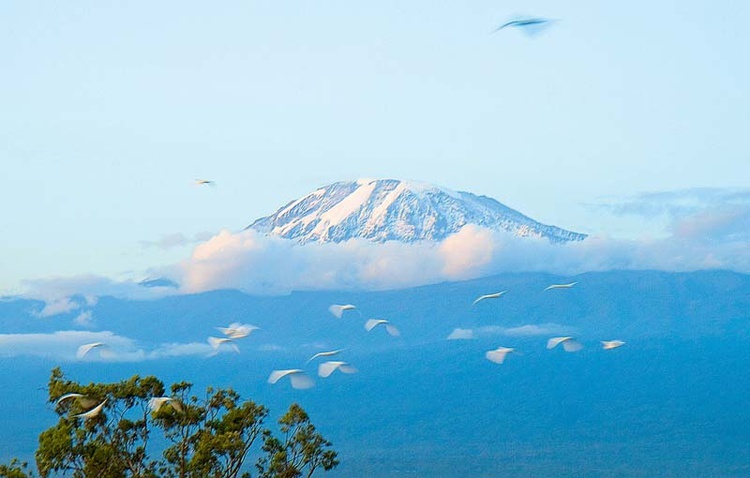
[(111, 109)]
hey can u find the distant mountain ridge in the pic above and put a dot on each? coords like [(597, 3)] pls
[(388, 209)]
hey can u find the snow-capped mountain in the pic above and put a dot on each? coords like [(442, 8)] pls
[(388, 209)]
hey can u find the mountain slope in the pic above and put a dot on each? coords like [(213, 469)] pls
[(389, 209)]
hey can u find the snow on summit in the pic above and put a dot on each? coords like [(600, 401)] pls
[(387, 209)]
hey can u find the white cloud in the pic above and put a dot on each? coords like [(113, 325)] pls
[(261, 264), (271, 348), (709, 229), (675, 204), (180, 350), (84, 319), (177, 239), (63, 290), (58, 306), (63, 345), (530, 330)]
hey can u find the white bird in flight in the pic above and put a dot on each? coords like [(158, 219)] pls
[(372, 323), (612, 344), (569, 343), (338, 309), (561, 286), (327, 368), (523, 22), (155, 403), (67, 396), (237, 330), (93, 412), (216, 342), (86, 348), (498, 355), (325, 354), (299, 380), (489, 296)]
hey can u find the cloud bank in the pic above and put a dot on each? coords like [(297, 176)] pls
[(529, 330), (63, 345), (708, 229), (267, 265)]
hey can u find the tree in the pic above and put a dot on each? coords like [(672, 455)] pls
[(209, 437), (302, 450), (15, 469)]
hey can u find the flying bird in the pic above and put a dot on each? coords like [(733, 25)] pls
[(155, 403), (327, 368), (93, 412), (489, 296), (612, 344), (498, 355), (569, 343), (204, 182), (299, 380), (338, 310), (325, 354), (529, 25), (86, 348), (67, 396), (216, 342), (372, 323), (237, 330), (561, 286)]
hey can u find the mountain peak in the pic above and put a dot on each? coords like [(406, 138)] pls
[(389, 209)]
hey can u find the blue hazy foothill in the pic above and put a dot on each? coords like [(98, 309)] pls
[(671, 402)]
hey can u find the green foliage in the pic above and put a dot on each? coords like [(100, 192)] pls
[(15, 469), (207, 437), (303, 449)]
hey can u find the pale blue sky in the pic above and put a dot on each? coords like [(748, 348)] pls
[(111, 109)]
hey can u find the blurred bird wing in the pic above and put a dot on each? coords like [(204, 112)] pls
[(243, 331), (300, 381), (497, 356), (237, 331), (346, 368), (155, 403), (215, 342), (479, 299), (325, 354), (86, 348), (226, 330), (392, 330), (93, 412), (572, 345), (490, 296), (176, 404), (327, 368), (338, 309), (612, 344), (277, 375), (67, 396), (372, 323), (561, 286), (504, 25), (555, 341)]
